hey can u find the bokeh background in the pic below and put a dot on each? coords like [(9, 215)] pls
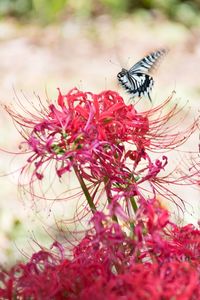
[(45, 44)]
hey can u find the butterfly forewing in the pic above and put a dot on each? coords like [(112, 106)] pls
[(148, 63), (136, 81)]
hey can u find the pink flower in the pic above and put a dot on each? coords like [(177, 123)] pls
[(107, 264), (106, 143), (89, 131)]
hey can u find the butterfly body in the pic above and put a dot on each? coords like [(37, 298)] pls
[(137, 80)]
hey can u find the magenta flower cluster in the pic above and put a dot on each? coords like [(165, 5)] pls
[(159, 261), (132, 250)]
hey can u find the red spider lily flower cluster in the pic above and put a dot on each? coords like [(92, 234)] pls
[(134, 251), (104, 140), (159, 261), (82, 129)]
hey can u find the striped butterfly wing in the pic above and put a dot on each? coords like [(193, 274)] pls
[(148, 63), (138, 84), (136, 81)]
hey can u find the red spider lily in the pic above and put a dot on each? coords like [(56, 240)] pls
[(85, 128), (107, 264), (161, 239), (90, 133)]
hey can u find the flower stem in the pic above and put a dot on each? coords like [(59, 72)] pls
[(85, 190), (134, 207), (133, 204)]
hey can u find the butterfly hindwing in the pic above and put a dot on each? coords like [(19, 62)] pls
[(138, 84), (136, 81)]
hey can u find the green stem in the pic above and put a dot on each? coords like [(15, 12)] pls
[(134, 207), (85, 190), (133, 204)]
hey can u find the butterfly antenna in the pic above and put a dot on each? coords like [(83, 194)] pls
[(149, 97), (110, 61)]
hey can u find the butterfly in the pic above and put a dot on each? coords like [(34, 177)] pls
[(137, 80)]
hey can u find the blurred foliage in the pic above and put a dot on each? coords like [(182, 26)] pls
[(15, 8), (47, 11)]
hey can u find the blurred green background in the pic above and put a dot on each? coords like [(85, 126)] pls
[(46, 11), (45, 44)]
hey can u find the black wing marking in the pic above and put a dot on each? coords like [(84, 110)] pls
[(139, 84), (148, 63)]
